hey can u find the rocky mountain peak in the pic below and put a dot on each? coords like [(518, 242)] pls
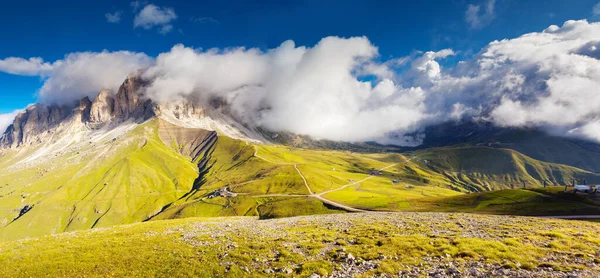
[(128, 97), (45, 123), (35, 120), (128, 104)]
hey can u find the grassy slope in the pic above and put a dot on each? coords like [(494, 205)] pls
[(242, 247), (118, 182), (552, 149), (537, 201), (484, 168)]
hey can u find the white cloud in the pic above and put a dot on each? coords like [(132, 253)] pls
[(596, 9), (79, 74), (152, 15), (113, 17), (32, 66), (135, 5), (425, 69), (7, 119), (205, 19), (312, 91), (547, 79), (86, 73), (478, 17), (165, 29)]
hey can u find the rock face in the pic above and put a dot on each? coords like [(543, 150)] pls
[(30, 126), (129, 102), (34, 120), (102, 107), (47, 123)]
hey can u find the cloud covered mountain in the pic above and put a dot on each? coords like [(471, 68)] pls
[(340, 89)]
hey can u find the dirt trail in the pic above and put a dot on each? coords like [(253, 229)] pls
[(304, 179), (320, 195)]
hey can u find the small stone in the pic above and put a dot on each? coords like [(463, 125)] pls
[(350, 259), (453, 271), (286, 270), (314, 275), (268, 271)]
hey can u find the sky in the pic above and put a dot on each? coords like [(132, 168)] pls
[(66, 50)]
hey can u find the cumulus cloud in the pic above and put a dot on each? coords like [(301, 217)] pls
[(7, 119), (79, 74), (113, 17), (313, 91), (547, 79), (152, 15), (478, 16), (31, 67)]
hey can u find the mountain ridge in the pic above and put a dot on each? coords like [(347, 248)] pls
[(39, 122)]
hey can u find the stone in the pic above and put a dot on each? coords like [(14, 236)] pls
[(350, 259)]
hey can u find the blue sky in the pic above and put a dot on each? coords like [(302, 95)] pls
[(52, 29)]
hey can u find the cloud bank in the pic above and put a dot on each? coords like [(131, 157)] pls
[(339, 89), (303, 90), (79, 74)]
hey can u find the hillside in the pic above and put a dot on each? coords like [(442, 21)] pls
[(157, 170), (550, 201), (410, 244), (532, 142), (482, 168)]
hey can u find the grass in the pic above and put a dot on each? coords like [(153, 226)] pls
[(278, 207), (539, 201), (118, 182), (484, 168), (380, 194), (242, 247)]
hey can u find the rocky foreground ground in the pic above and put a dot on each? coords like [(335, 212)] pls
[(347, 245), (549, 248)]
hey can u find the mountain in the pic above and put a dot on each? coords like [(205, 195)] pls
[(42, 123), (532, 142), (123, 158)]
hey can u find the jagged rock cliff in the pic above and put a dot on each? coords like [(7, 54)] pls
[(102, 107), (34, 120), (37, 121)]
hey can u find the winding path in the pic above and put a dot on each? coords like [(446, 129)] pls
[(319, 195)]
